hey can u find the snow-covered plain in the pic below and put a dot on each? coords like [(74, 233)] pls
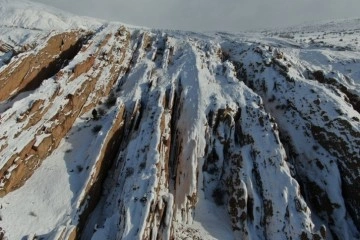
[(215, 135)]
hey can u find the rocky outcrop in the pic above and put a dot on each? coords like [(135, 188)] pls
[(321, 132), (28, 71), (50, 117), (178, 128)]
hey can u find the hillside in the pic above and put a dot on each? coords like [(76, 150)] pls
[(115, 132)]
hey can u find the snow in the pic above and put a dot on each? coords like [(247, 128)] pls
[(55, 204), (40, 138), (36, 16), (189, 66)]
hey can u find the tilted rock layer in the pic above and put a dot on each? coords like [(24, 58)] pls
[(121, 133)]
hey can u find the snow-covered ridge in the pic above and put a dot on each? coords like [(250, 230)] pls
[(331, 26), (31, 15), (111, 132)]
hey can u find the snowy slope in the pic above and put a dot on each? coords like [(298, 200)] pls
[(116, 132), (23, 23), (335, 26), (26, 14)]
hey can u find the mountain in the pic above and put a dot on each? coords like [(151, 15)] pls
[(115, 132), (26, 14)]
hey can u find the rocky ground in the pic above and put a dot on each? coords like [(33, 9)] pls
[(116, 132)]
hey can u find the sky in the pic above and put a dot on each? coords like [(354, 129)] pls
[(212, 15)]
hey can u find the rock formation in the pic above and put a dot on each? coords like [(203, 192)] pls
[(128, 133)]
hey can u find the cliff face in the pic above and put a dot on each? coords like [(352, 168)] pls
[(125, 133)]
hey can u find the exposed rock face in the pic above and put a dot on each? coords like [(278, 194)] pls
[(170, 131), (27, 72), (317, 117)]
